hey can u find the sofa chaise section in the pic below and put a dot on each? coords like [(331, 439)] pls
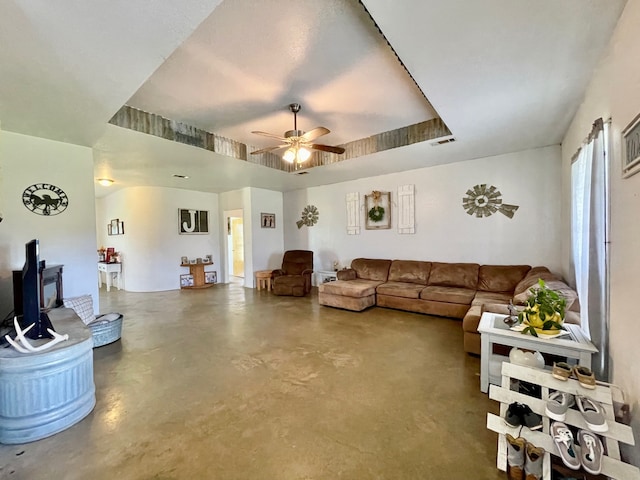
[(355, 288)]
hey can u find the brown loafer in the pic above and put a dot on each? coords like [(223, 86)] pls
[(561, 371), (585, 376)]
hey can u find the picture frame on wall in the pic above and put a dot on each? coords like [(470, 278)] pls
[(115, 227), (193, 222), (631, 148), (109, 232), (268, 220), (120, 228), (377, 213)]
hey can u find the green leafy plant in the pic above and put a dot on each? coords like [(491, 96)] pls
[(544, 310)]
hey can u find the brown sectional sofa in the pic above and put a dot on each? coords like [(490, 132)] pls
[(458, 290)]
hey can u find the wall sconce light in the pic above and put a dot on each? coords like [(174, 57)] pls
[(105, 182)]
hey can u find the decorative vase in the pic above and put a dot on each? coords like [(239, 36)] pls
[(526, 358)]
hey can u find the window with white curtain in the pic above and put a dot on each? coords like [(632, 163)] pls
[(589, 239)]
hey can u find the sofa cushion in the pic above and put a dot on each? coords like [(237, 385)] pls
[(463, 275), (400, 289), (409, 271), (491, 297), (371, 269), (350, 288), (501, 278), (531, 279), (462, 296)]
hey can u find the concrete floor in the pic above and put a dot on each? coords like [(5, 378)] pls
[(232, 383)]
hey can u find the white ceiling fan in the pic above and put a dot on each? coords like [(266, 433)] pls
[(298, 143)]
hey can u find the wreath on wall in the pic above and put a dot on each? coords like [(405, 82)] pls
[(376, 213)]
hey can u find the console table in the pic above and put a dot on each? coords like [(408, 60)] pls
[(493, 330), (196, 270), (46, 392), (109, 269)]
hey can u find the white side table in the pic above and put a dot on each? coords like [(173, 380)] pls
[(109, 269), (324, 276), (493, 330)]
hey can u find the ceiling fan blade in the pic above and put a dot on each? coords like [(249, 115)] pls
[(270, 135), (326, 148), (315, 133), (269, 149)]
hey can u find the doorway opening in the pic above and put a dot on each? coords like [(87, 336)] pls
[(235, 247)]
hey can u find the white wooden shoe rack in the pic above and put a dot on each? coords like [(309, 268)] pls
[(612, 466)]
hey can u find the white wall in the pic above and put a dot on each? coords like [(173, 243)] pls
[(68, 238), (614, 92), (267, 243), (151, 246), (444, 231)]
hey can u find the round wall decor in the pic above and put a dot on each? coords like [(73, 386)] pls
[(483, 202), (45, 199), (309, 216)]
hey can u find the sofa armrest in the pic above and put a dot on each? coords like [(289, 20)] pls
[(277, 273), (308, 271), (347, 274)]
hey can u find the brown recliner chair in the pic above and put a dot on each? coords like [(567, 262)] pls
[(294, 278)]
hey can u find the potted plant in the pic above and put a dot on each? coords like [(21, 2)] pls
[(544, 311)]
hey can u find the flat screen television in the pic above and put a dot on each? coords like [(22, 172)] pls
[(31, 312)]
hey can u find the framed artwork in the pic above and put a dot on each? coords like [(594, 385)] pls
[(184, 260), (631, 148), (193, 222), (208, 259), (377, 210), (210, 277), (268, 220), (121, 228), (109, 232), (186, 280), (115, 227)]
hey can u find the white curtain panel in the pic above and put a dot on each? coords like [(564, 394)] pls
[(589, 194)]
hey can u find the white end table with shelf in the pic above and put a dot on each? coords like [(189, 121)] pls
[(109, 269), (493, 330), (324, 276)]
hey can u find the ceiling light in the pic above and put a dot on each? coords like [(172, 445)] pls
[(105, 182), (303, 155), (289, 155)]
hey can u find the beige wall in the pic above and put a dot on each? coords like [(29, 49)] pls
[(614, 92)]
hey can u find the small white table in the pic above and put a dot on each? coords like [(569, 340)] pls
[(493, 330), (324, 276), (109, 269)]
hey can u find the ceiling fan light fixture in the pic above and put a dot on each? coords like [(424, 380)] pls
[(303, 155), (289, 155)]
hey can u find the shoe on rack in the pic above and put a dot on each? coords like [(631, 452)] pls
[(558, 404), (585, 376), (531, 420), (590, 451), (563, 438), (533, 462), (515, 457), (593, 414), (513, 415), (561, 370)]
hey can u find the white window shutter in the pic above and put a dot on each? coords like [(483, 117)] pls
[(406, 209), (353, 213)]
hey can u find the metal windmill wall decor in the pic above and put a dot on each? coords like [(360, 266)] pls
[(484, 202), (309, 217)]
